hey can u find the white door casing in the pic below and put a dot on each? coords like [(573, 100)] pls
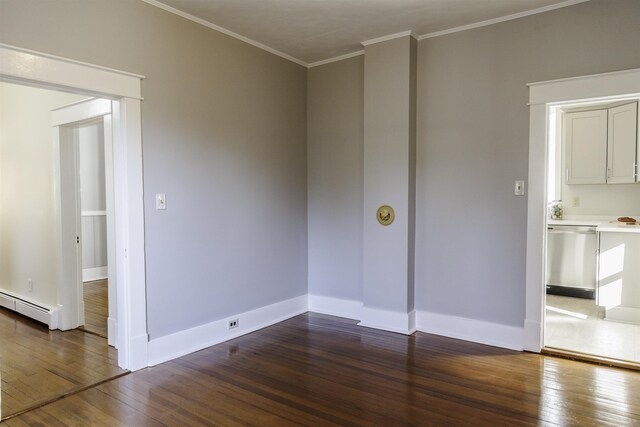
[(32, 68), (65, 120), (543, 96)]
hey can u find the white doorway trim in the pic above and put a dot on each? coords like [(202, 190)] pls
[(543, 96), (72, 271), (42, 70)]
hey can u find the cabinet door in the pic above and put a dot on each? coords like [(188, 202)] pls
[(585, 136), (619, 276), (621, 158)]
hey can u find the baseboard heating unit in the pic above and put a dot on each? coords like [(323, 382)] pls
[(41, 313)]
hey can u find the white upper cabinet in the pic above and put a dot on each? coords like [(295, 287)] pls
[(601, 146), (621, 158), (585, 136)]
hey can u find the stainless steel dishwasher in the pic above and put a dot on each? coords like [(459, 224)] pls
[(571, 260)]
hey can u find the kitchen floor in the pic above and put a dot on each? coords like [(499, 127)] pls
[(578, 324)]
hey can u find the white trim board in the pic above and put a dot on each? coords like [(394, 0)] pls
[(388, 37), (336, 59), (473, 330), (348, 309), (191, 340), (393, 321), (35, 69), (501, 19)]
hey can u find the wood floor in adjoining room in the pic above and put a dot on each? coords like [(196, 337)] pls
[(321, 370), (96, 307), (37, 365)]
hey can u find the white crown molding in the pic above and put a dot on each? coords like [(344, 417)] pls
[(390, 37), (225, 31), (259, 45), (337, 58), (501, 19)]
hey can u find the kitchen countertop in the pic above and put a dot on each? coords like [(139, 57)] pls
[(602, 224)]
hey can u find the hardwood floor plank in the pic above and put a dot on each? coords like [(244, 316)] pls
[(37, 365), (96, 307), (322, 370)]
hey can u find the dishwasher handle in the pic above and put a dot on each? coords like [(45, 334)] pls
[(564, 229)]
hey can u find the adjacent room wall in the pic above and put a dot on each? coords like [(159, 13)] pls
[(335, 178), (224, 136), (27, 210), (602, 200), (473, 133)]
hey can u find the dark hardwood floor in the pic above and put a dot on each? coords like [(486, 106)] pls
[(37, 365), (96, 307), (322, 370)]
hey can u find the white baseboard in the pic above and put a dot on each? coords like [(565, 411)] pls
[(112, 328), (473, 330), (335, 306), (140, 349), (30, 308), (623, 314), (96, 273), (393, 321), (532, 336), (184, 342)]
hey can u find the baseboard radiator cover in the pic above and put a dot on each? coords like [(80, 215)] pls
[(40, 312)]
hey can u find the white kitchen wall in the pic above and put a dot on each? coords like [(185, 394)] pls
[(602, 200), (27, 228)]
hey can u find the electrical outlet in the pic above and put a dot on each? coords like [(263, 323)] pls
[(30, 285), (234, 323), (575, 202)]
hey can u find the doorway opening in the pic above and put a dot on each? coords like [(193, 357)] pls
[(558, 108), (123, 89), (38, 361), (592, 285), (83, 137)]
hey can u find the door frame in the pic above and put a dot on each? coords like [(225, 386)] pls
[(542, 97), (65, 121), (27, 67)]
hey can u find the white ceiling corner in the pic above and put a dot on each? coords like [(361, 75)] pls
[(312, 33)]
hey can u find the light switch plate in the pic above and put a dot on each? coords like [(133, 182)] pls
[(518, 188), (161, 201)]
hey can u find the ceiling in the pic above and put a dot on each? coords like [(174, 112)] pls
[(315, 30)]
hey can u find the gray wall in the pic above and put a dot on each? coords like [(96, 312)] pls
[(473, 132), (224, 136), (335, 178), (473, 137)]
